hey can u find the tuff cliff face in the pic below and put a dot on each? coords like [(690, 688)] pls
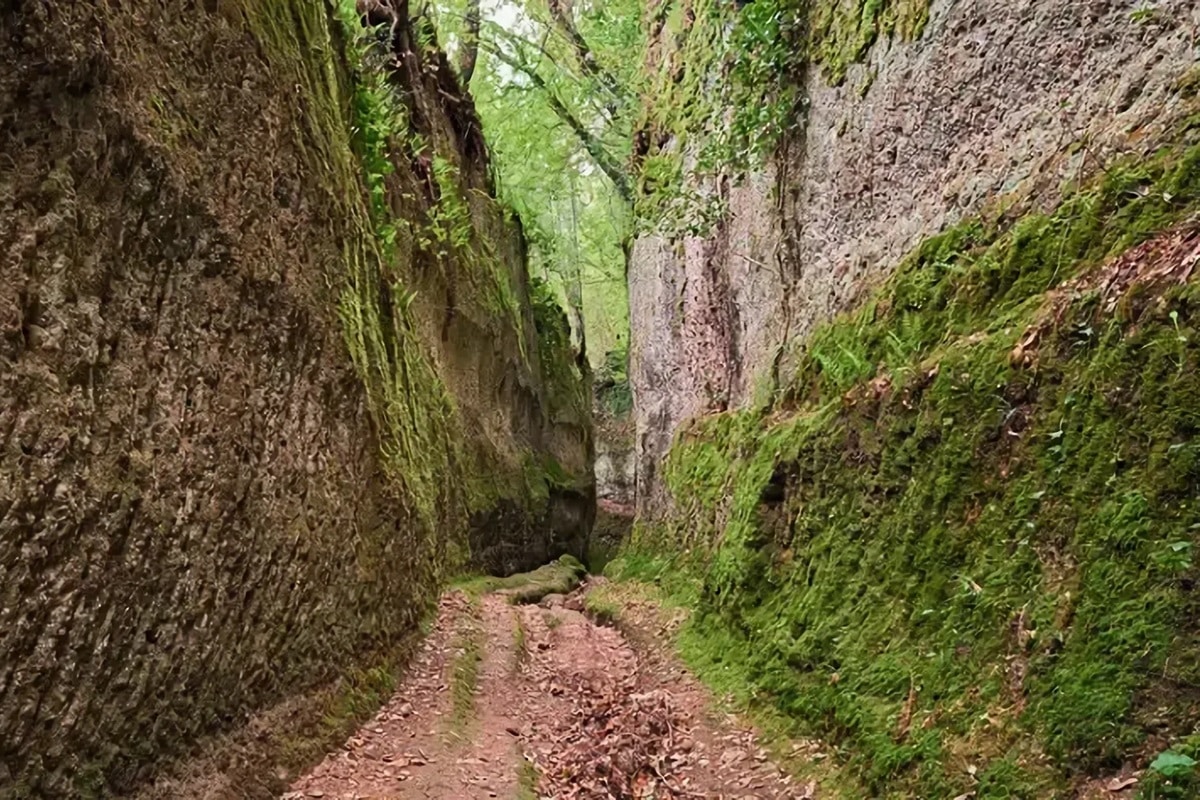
[(266, 374), (915, 402), (894, 139)]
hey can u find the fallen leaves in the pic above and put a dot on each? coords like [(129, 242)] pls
[(617, 744), (1167, 259), (595, 719), (1120, 784)]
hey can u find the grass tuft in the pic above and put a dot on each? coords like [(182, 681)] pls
[(464, 670)]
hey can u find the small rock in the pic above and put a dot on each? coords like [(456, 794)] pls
[(1119, 784)]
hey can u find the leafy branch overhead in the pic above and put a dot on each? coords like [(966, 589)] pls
[(555, 86), (592, 144)]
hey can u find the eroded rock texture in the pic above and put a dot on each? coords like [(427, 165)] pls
[(994, 102), (195, 518)]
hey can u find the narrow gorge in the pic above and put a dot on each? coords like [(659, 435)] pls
[(599, 399)]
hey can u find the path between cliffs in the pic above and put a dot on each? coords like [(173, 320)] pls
[(538, 701)]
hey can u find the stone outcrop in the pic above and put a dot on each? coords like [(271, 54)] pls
[(916, 402), (993, 103), (246, 423)]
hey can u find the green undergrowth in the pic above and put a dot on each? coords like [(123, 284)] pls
[(984, 278), (558, 577), (958, 546), (1175, 773)]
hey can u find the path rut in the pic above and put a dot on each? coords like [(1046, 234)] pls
[(562, 708)]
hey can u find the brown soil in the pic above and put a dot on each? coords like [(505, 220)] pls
[(564, 708)]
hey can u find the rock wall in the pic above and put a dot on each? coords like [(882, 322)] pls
[(247, 420), (615, 456), (992, 104), (916, 405)]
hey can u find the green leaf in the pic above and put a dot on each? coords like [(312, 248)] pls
[(1170, 764)]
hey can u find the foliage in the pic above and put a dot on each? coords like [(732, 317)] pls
[(935, 555), (726, 88), (1173, 773), (613, 390), (573, 215)]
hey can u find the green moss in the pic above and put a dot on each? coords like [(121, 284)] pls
[(357, 697), (361, 147), (1188, 84), (527, 779), (353, 119), (712, 58), (986, 276), (933, 557), (842, 31), (557, 577), (327, 716), (601, 608)]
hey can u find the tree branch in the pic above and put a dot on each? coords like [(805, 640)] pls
[(594, 147), (560, 13), (470, 46)]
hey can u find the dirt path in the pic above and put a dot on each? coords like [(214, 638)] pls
[(524, 702)]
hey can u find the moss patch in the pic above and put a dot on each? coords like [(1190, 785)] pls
[(402, 188), (842, 31), (708, 58), (558, 577), (464, 669), (527, 779), (966, 563)]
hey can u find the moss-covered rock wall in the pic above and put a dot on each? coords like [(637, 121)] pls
[(964, 535), (269, 369), (791, 153), (939, 522)]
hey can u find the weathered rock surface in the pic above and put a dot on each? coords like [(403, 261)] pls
[(995, 102), (195, 516)]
